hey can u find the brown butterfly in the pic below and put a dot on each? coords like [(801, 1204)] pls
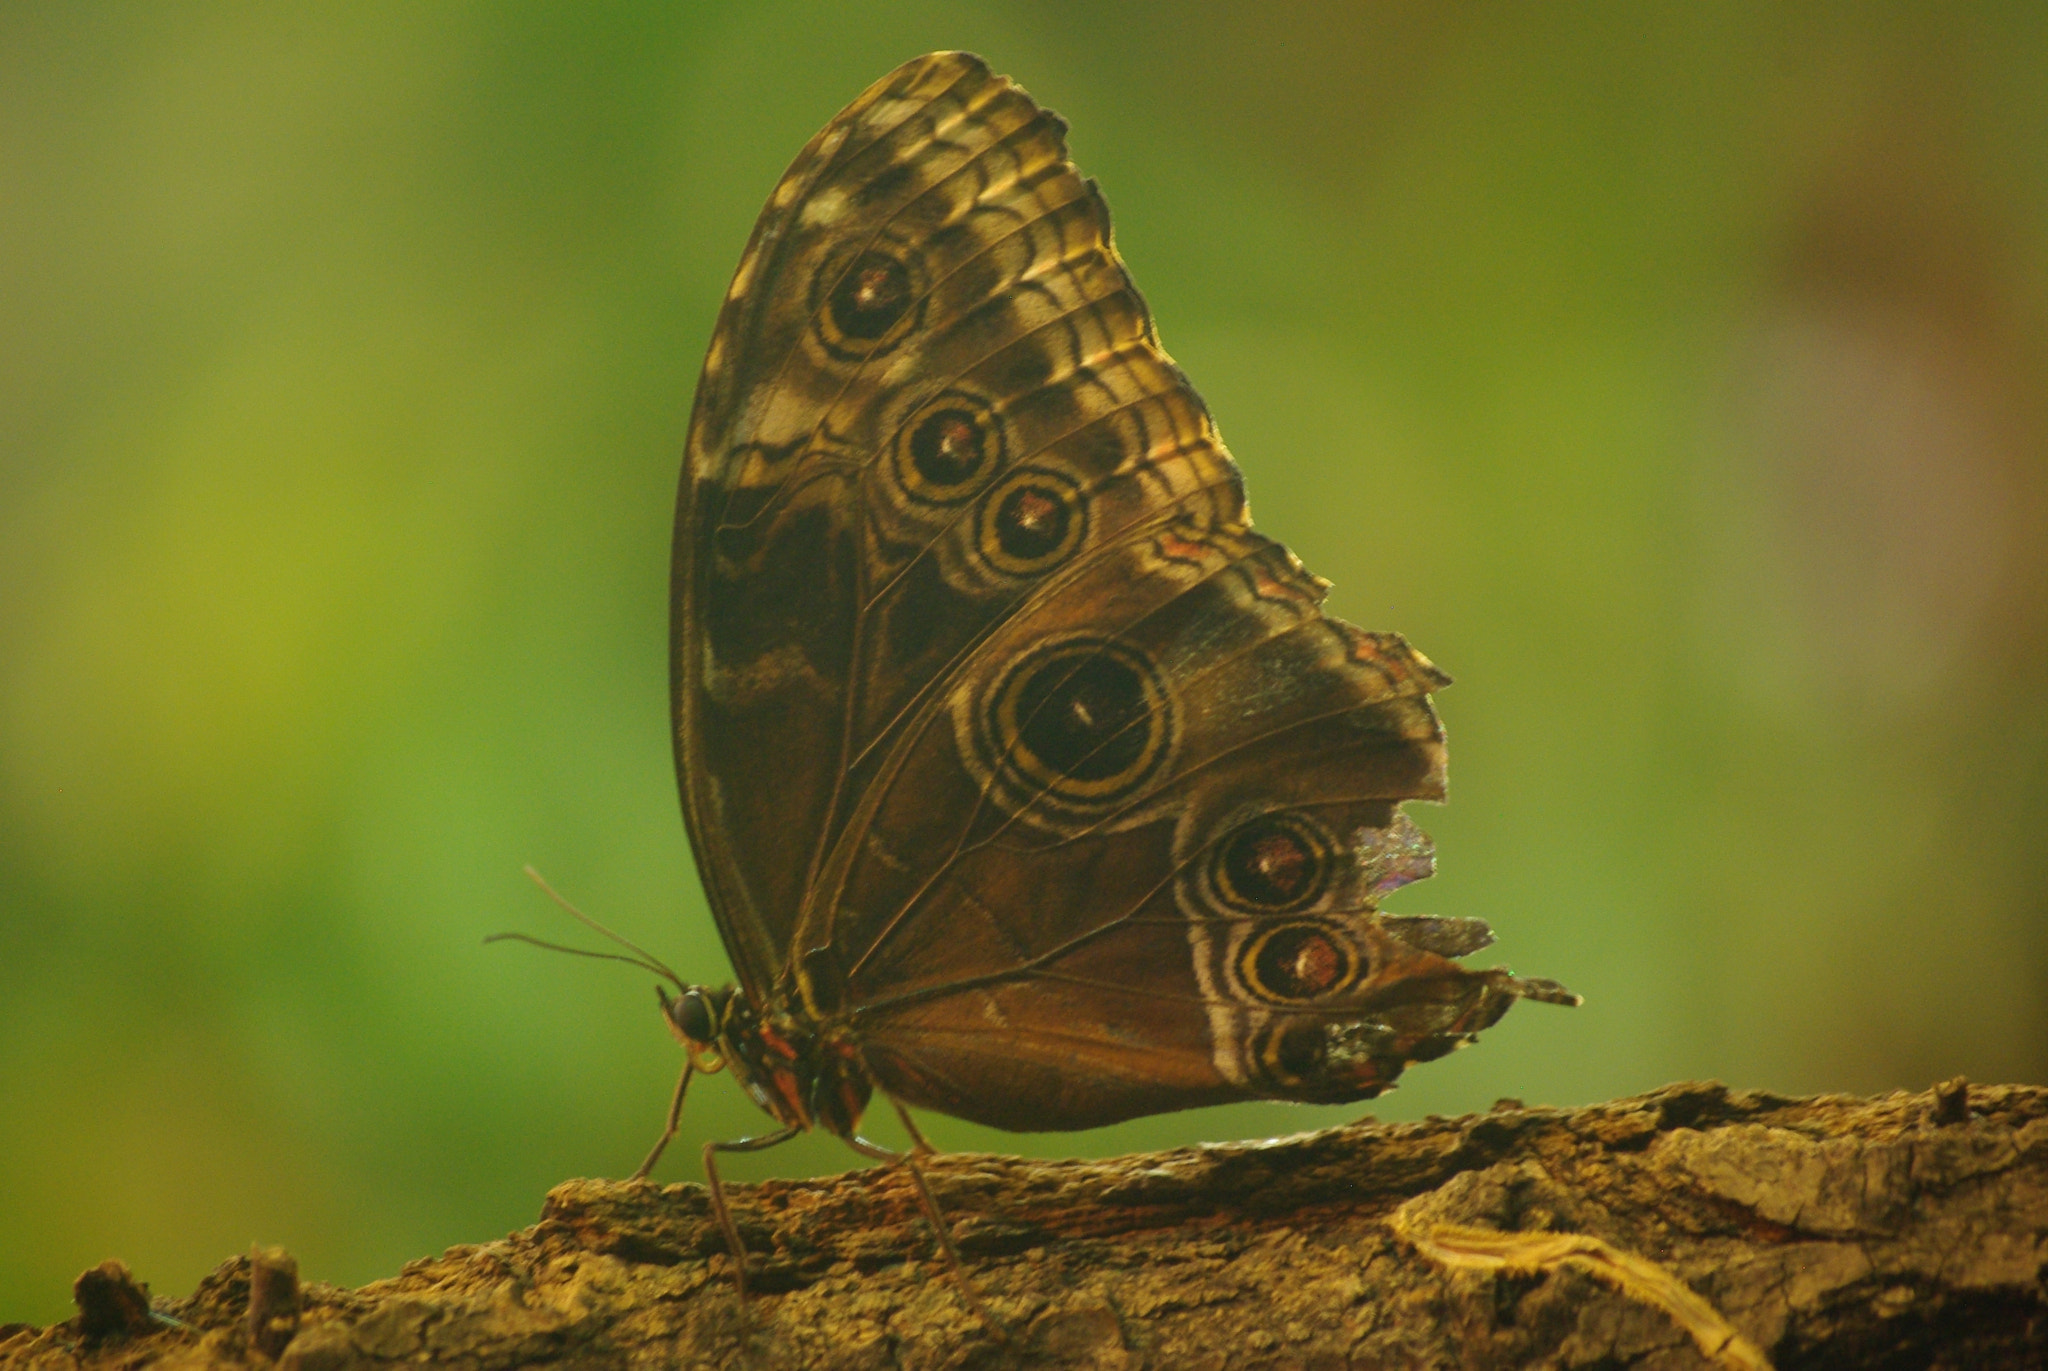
[(1026, 781)]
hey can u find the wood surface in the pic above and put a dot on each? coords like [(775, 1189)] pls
[(1689, 1227)]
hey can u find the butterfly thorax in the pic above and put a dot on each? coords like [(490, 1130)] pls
[(802, 1075)]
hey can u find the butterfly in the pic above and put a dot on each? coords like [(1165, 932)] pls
[(1026, 782)]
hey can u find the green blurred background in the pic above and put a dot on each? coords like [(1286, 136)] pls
[(1676, 375)]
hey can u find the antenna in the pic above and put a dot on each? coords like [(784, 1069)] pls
[(641, 957)]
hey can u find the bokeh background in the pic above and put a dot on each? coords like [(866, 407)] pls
[(1676, 375)]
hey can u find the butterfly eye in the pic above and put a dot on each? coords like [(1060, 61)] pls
[(693, 1015), (869, 303), (1276, 864), (1298, 962), (1032, 522)]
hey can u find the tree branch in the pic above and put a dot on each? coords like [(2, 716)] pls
[(1687, 1227)]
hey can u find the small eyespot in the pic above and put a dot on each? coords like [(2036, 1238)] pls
[(1276, 864), (947, 450), (1300, 1049), (1031, 522), (872, 296), (1298, 962), (869, 303)]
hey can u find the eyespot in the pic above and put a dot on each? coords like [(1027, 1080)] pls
[(871, 297), (865, 305), (947, 449), (1298, 963), (1085, 721), (1323, 1060), (1276, 864), (1031, 521), (1300, 1049)]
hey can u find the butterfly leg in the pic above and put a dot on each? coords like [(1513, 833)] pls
[(718, 1206), (675, 1115), (934, 1216), (918, 1142)]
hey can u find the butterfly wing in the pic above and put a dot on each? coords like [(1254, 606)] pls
[(832, 301), (859, 505), (1133, 861), (1002, 736)]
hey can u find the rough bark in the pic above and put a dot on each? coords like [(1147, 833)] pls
[(1688, 1227)]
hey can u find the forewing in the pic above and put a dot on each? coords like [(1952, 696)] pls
[(892, 263)]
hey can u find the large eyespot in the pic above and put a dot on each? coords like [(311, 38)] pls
[(1084, 722), (866, 303), (947, 450), (1031, 522), (1298, 963), (1275, 864)]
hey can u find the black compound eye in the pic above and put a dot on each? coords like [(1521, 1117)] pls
[(871, 298), (1275, 864), (692, 1014), (1299, 962), (1032, 521)]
